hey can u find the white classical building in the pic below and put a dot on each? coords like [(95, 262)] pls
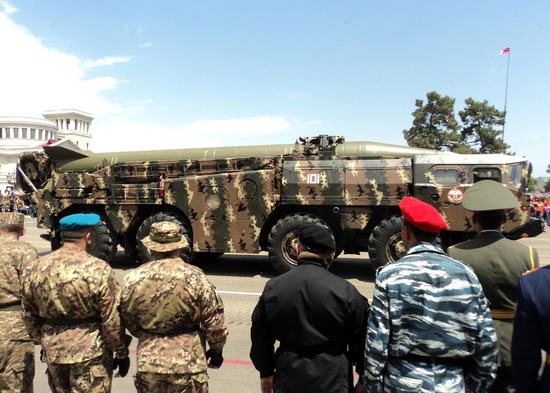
[(20, 134), (73, 125)]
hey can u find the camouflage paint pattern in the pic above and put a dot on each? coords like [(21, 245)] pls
[(70, 284), (445, 194), (172, 308), (353, 182), (16, 347), (229, 198), (245, 199)]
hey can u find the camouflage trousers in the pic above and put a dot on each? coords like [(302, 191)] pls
[(171, 383), (92, 376), (16, 366)]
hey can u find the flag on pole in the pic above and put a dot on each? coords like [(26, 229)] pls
[(505, 51)]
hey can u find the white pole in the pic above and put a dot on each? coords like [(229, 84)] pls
[(506, 95)]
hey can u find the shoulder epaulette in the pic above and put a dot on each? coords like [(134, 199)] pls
[(530, 271), (461, 243)]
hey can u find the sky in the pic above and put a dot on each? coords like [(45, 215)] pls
[(178, 73)]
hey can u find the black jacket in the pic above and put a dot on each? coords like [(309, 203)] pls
[(319, 320)]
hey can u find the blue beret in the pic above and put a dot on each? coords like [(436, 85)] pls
[(75, 222)]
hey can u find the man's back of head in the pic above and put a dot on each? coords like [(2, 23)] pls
[(316, 242), (12, 224)]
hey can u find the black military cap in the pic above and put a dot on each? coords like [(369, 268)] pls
[(317, 238)]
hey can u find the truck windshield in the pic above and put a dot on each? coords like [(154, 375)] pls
[(487, 174), (446, 176), (515, 175)]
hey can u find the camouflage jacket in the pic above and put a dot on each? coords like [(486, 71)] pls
[(15, 257), (70, 284), (427, 305), (171, 307)]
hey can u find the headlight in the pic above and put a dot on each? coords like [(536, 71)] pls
[(213, 201)]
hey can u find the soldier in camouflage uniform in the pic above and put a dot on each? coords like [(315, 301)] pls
[(6, 203), (429, 328), (172, 308), (71, 307), (16, 347)]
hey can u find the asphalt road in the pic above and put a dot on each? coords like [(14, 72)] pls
[(239, 279)]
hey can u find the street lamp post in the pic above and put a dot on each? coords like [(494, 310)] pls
[(10, 178)]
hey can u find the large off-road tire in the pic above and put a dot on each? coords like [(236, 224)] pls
[(145, 228), (103, 243), (385, 242), (283, 237)]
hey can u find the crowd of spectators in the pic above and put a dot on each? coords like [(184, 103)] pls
[(540, 206), (11, 202)]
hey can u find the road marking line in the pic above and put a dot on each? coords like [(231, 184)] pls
[(238, 362)]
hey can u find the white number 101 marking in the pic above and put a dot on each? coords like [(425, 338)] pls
[(313, 178)]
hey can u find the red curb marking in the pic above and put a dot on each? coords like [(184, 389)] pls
[(238, 362)]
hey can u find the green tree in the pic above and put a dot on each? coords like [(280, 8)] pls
[(547, 186), (478, 131), (434, 124), (532, 185)]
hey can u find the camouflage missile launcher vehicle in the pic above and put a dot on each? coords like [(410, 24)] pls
[(249, 199)]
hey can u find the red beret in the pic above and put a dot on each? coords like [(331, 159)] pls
[(422, 215)]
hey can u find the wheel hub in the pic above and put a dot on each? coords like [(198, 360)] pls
[(395, 249), (288, 247)]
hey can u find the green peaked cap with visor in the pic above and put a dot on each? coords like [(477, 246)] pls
[(487, 195)]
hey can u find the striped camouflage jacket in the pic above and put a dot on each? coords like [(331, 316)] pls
[(429, 329)]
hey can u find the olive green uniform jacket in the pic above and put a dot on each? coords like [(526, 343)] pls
[(498, 263)]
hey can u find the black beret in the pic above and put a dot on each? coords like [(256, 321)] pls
[(317, 238)]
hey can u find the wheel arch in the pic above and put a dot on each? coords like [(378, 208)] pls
[(144, 229), (105, 240), (283, 236), (385, 243), (324, 212)]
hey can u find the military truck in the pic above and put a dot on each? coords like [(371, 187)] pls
[(248, 199)]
